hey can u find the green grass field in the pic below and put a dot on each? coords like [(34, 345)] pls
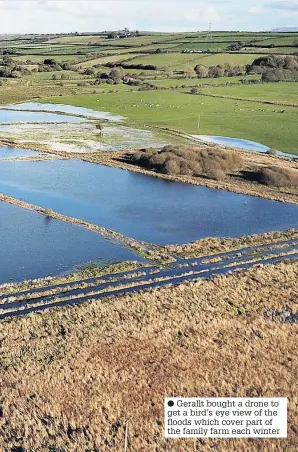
[(283, 42), (281, 92), (179, 82), (41, 58), (180, 111), (171, 106), (179, 61), (106, 59), (267, 50)]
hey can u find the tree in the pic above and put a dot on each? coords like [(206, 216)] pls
[(99, 127), (88, 71), (50, 62), (201, 71), (7, 60), (216, 71), (116, 72)]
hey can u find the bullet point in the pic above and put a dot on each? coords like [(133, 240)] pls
[(170, 403)]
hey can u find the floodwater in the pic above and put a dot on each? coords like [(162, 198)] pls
[(68, 109), (29, 122), (241, 144), (8, 152), (83, 137), (140, 206), (8, 116), (35, 246)]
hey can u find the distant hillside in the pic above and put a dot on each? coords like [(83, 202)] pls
[(285, 29)]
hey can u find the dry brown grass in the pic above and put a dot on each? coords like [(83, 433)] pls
[(73, 378), (212, 245)]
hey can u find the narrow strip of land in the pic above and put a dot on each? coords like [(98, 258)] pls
[(35, 300)]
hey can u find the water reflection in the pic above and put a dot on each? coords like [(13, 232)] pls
[(141, 206), (33, 246)]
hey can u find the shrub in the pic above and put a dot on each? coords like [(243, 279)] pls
[(188, 161), (158, 160), (278, 177), (272, 152), (172, 166)]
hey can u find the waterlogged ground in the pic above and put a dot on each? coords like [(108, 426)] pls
[(140, 206), (240, 143), (67, 109), (35, 246), (7, 152), (83, 137), (63, 132), (8, 116)]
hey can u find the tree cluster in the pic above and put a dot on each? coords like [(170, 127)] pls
[(145, 67), (275, 68), (221, 70), (238, 45)]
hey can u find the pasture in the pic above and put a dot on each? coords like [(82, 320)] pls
[(236, 109), (180, 61), (180, 111), (286, 92)]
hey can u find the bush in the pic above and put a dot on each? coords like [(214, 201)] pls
[(172, 166), (186, 161), (144, 67), (278, 177), (272, 152), (275, 68)]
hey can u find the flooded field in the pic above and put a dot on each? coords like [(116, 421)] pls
[(8, 152), (52, 125), (240, 143), (140, 206), (35, 246), (8, 116), (83, 137), (67, 109)]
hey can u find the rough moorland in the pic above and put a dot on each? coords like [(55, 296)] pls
[(76, 378)]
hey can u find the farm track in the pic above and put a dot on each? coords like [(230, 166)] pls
[(183, 270)]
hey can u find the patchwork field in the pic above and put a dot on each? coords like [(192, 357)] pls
[(140, 259)]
